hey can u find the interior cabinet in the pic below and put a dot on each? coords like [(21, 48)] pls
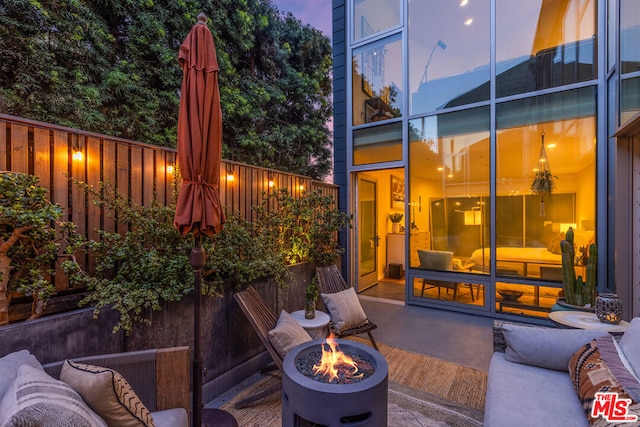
[(395, 247)]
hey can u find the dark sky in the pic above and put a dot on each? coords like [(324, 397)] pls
[(316, 13)]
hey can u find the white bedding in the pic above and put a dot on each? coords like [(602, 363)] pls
[(524, 261)]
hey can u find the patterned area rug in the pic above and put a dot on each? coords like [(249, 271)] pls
[(423, 391)]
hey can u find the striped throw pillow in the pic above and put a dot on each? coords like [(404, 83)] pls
[(36, 399), (344, 309)]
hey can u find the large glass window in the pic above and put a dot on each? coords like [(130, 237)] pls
[(377, 144), (546, 139), (373, 16), (612, 19), (448, 53), (629, 35), (629, 99), (377, 81), (449, 184), (544, 43)]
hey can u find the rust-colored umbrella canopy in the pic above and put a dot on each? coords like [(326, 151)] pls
[(198, 208)]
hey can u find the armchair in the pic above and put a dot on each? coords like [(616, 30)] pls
[(440, 261)]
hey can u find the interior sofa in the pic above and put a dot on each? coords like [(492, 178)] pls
[(539, 376), (140, 388)]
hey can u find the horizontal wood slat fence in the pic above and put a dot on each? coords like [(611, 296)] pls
[(141, 172)]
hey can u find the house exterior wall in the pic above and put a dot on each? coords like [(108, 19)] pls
[(587, 79)]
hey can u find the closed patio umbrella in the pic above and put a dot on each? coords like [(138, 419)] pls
[(198, 208)]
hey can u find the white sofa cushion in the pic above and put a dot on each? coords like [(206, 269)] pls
[(549, 348), (9, 365), (630, 345), (36, 399), (529, 396), (176, 417)]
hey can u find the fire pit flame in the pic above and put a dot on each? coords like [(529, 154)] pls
[(332, 359)]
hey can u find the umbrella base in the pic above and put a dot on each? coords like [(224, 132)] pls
[(217, 417)]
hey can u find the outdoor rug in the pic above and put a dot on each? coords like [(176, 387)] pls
[(423, 391)]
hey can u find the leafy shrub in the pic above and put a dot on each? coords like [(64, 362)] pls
[(303, 229), (28, 244)]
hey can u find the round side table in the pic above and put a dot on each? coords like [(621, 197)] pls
[(317, 327), (584, 320)]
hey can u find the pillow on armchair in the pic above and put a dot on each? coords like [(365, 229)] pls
[(435, 260), (287, 334), (344, 309)]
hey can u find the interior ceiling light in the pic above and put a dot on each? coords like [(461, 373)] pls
[(468, 22), (440, 169), (464, 3)]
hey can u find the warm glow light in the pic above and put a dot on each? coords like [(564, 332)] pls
[(565, 227), (473, 217), (440, 169), (301, 187), (332, 356), (171, 169), (230, 177), (450, 175), (468, 22), (77, 155), (551, 145), (271, 183), (464, 3)]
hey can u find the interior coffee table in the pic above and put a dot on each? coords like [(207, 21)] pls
[(585, 320), (317, 327)]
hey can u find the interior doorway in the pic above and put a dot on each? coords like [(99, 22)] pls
[(379, 246), (367, 237)]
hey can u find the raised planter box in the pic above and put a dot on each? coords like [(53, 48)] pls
[(231, 349)]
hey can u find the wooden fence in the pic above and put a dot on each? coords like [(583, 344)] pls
[(141, 172)]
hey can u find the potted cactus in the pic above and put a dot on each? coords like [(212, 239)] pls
[(578, 293)]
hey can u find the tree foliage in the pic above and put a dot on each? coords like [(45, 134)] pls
[(111, 67), (28, 244)]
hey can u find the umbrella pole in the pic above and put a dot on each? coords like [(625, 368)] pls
[(197, 259)]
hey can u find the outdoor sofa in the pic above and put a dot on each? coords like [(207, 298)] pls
[(159, 380), (530, 384)]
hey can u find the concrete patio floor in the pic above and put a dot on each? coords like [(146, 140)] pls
[(460, 338)]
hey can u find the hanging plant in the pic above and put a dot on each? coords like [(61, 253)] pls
[(543, 181)]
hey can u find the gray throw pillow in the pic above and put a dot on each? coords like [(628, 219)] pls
[(545, 347)]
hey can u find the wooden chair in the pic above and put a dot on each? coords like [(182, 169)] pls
[(331, 281), (262, 319)]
